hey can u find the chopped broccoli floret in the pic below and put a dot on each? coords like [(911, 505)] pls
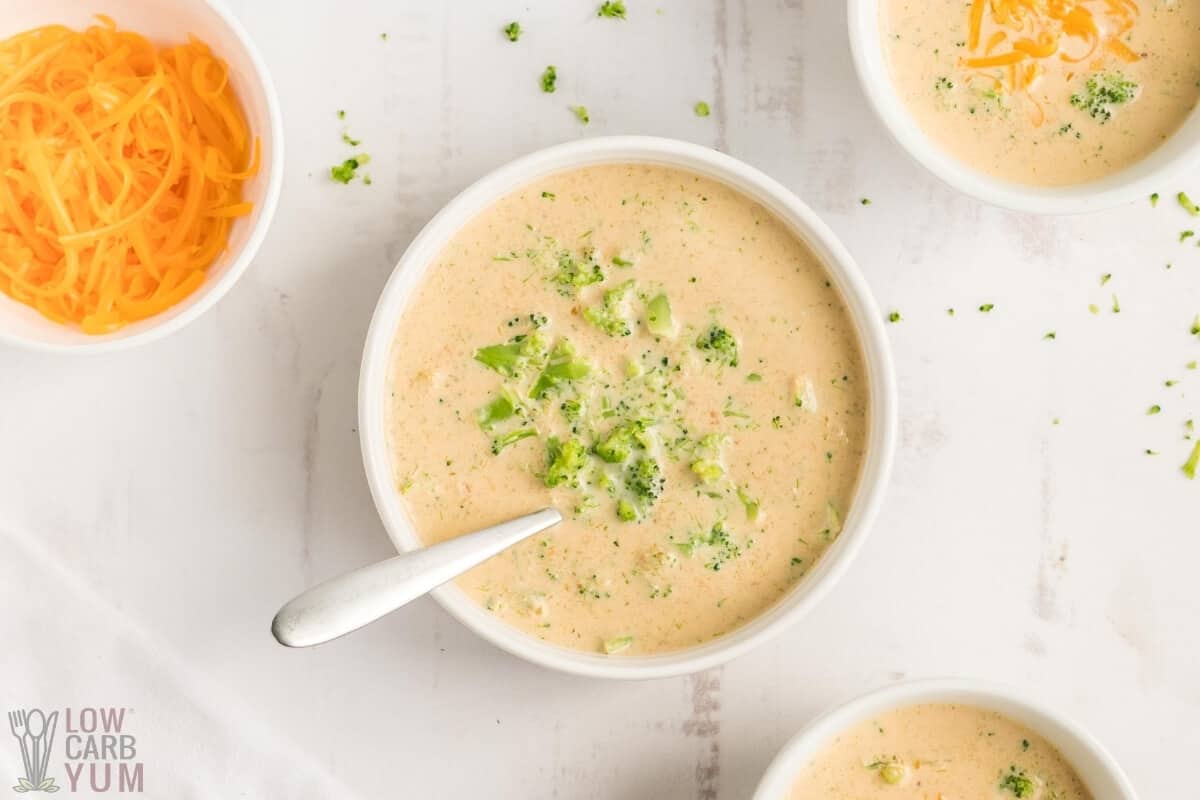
[(608, 316), (549, 79), (346, 171), (645, 480), (708, 470), (750, 503), (659, 320), (1101, 93), (621, 441), (581, 114), (563, 367), (626, 511), (572, 410), (565, 462), (719, 539), (1193, 463), (501, 442), (574, 272), (1017, 782), (498, 410), (1188, 205), (618, 644), (513, 31), (614, 9), (511, 358), (719, 346), (701, 108)]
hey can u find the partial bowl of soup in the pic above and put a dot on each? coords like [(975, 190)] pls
[(944, 738), (1045, 106), (671, 349)]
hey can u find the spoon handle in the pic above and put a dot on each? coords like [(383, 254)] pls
[(348, 602)]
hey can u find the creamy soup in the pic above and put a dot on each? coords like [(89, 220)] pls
[(658, 357), (1049, 92), (939, 751)]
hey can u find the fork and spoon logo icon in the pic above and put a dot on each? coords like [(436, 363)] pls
[(34, 731)]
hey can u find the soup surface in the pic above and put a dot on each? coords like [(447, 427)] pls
[(1049, 92), (658, 357), (944, 751)]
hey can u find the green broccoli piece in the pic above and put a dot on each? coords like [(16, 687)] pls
[(576, 272), (645, 481), (1188, 205), (513, 31), (501, 442), (565, 462), (1193, 463), (750, 503), (626, 511), (708, 470), (549, 79), (572, 410), (563, 367), (346, 171), (1101, 93), (658, 317), (719, 346), (616, 645), (607, 316), (511, 358), (621, 441), (1017, 782), (498, 410), (614, 9)]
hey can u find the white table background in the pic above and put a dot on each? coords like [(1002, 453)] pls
[(156, 506)]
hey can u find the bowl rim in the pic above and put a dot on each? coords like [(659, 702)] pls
[(1004, 699), (237, 267), (1133, 182), (803, 222)]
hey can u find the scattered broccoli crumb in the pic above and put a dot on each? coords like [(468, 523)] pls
[(1101, 93), (1116, 305), (866, 201), (1193, 462), (1150, 452), (616, 645), (719, 346), (1050, 335), (1105, 278), (1154, 409), (1196, 326), (384, 36), (1017, 782), (701, 108), (1187, 204), (950, 312), (986, 308), (581, 114), (1154, 200), (346, 171), (613, 9), (549, 79), (501, 442), (513, 31), (894, 316), (352, 142), (1092, 307), (753, 377), (1185, 235)]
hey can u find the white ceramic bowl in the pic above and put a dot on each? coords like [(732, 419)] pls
[(1175, 157), (407, 275), (166, 23), (1100, 772)]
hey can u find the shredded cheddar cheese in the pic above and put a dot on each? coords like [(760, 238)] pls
[(121, 168), (1019, 38)]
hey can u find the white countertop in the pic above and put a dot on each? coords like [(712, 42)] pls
[(156, 506)]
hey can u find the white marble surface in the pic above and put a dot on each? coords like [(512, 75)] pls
[(156, 506)]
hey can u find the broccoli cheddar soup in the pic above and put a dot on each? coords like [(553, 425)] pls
[(661, 359), (934, 750), (1049, 92)]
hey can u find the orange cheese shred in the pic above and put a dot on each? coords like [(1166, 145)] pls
[(121, 172), (1037, 30)]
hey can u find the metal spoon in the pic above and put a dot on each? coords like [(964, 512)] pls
[(348, 602)]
